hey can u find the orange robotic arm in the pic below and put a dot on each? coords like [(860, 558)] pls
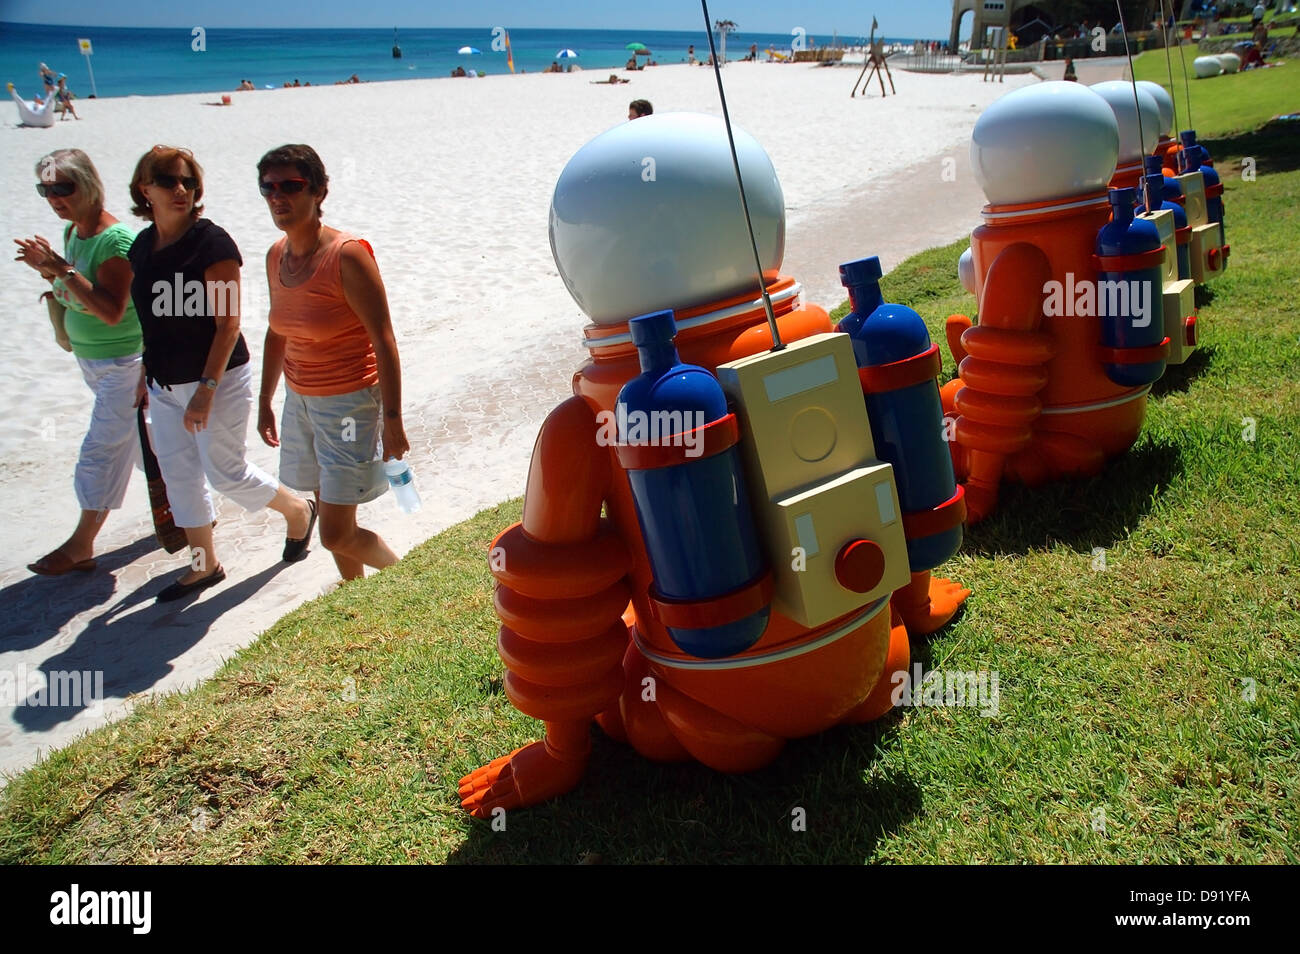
[(561, 596), (1003, 369)]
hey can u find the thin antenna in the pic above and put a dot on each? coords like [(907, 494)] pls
[(744, 203), (1169, 62), (1187, 89), (1132, 78)]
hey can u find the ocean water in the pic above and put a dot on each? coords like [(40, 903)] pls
[(151, 62)]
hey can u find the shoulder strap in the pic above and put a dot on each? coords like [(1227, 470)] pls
[(345, 237)]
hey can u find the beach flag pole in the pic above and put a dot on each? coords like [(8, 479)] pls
[(740, 182), (84, 45)]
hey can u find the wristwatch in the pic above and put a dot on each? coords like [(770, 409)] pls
[(209, 383), (69, 272)]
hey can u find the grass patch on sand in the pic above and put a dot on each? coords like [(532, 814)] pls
[(340, 734)]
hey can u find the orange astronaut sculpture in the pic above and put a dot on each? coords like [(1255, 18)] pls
[(646, 218), (1053, 380)]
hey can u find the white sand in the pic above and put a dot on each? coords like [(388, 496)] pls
[(450, 180)]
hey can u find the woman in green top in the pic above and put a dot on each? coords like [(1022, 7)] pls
[(92, 280)]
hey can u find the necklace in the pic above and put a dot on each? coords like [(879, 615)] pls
[(295, 272)]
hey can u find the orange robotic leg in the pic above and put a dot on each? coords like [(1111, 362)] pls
[(636, 719), (927, 603), (1003, 371), (561, 597), (1052, 455), (716, 740), (664, 724)]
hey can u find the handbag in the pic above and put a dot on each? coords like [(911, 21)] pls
[(171, 537), (56, 308), (57, 313)]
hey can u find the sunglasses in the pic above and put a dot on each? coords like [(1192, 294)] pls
[(61, 189), (284, 186), (164, 181)]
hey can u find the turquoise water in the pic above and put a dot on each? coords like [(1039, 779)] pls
[(150, 62)]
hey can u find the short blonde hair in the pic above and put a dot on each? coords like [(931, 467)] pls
[(75, 165)]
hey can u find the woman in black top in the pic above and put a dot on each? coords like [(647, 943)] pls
[(186, 291)]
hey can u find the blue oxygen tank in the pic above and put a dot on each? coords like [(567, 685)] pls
[(1130, 295), (678, 445), (892, 346), (1213, 194), (1188, 138), (1196, 158), (1153, 193)]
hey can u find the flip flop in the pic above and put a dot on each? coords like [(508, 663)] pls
[(295, 550), (57, 563)]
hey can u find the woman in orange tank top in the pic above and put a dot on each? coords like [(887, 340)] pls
[(331, 336)]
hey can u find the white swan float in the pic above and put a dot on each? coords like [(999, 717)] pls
[(32, 114)]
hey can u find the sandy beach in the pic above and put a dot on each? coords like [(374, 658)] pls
[(450, 180)]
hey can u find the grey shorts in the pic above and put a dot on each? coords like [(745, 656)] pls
[(331, 444)]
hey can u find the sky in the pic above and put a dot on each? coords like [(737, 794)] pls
[(923, 18)]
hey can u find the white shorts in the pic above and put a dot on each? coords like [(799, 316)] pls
[(330, 443), (216, 452), (112, 444)]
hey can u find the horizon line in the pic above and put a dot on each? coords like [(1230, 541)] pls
[(409, 26)]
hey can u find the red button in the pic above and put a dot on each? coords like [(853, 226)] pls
[(859, 566)]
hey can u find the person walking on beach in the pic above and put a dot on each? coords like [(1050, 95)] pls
[(330, 334), (91, 283), (196, 364)]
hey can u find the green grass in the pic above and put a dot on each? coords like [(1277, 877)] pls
[(339, 735), (1223, 105)]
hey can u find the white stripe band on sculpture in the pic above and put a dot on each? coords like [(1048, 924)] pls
[(688, 323), (1047, 208), (777, 655), (1113, 402)]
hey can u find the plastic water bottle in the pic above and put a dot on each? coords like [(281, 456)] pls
[(402, 481)]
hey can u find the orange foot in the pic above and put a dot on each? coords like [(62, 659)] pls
[(526, 776), (928, 603)]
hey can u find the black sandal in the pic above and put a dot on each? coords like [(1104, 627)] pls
[(295, 550), (180, 590)]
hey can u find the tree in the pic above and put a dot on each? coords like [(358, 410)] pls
[(723, 27)]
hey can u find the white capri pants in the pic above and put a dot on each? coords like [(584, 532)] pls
[(112, 444), (216, 452)]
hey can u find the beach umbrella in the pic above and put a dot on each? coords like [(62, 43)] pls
[(468, 50), (566, 55), (635, 46)]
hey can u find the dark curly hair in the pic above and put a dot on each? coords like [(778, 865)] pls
[(306, 161)]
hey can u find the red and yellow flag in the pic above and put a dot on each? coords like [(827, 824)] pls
[(510, 57)]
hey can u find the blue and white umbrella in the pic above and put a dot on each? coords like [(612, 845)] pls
[(566, 55), (468, 50)]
